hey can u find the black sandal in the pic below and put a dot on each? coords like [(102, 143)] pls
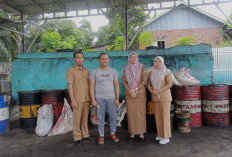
[(131, 139)]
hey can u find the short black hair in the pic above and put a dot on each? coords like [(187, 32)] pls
[(74, 54), (102, 54)]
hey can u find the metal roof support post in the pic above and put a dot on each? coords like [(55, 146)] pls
[(23, 42), (126, 28), (37, 34), (140, 27), (223, 12)]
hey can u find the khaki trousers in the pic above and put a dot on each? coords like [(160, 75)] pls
[(80, 121), (162, 118)]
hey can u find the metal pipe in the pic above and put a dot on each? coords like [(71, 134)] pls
[(126, 28), (23, 42), (113, 24), (223, 13), (140, 27)]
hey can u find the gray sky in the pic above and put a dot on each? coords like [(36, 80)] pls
[(97, 21)]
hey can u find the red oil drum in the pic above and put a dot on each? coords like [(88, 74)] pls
[(230, 102), (188, 98), (56, 98), (215, 105), (67, 97)]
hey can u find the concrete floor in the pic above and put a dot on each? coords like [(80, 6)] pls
[(200, 142)]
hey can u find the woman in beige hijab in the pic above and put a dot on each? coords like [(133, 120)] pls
[(134, 80), (159, 84)]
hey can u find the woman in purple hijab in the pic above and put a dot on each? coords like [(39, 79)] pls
[(134, 80)]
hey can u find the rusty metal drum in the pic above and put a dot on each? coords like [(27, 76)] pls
[(182, 121), (230, 102), (188, 98), (215, 105)]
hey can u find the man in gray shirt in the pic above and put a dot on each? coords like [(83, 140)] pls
[(102, 92)]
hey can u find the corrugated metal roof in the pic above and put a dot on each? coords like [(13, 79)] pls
[(42, 6), (185, 4), (183, 18)]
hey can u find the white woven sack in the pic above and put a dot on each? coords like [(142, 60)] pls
[(44, 120), (64, 124), (121, 111), (185, 79)]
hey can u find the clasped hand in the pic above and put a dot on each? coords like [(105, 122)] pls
[(155, 92), (132, 93)]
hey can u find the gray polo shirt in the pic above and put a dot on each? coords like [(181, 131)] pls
[(104, 82)]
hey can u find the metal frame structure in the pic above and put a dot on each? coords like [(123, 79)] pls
[(100, 7)]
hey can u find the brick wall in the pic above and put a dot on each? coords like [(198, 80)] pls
[(203, 35)]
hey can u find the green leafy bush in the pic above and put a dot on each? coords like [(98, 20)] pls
[(186, 41)]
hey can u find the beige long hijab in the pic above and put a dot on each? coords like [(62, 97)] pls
[(157, 75)]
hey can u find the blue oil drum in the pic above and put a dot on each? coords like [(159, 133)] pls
[(4, 115), (3, 101)]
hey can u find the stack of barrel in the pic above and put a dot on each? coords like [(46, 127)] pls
[(56, 99), (188, 98), (215, 105), (4, 114), (29, 103)]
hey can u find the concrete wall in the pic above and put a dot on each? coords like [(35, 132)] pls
[(35, 71)]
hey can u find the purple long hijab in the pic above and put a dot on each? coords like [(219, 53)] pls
[(133, 72)]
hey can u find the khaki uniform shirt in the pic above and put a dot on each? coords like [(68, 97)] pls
[(80, 80), (165, 93)]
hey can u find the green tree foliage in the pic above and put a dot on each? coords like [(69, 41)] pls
[(4, 51), (86, 28), (119, 44), (228, 22), (8, 46), (225, 43), (52, 41), (134, 19), (57, 34), (146, 39), (186, 41), (108, 34), (227, 33), (67, 33)]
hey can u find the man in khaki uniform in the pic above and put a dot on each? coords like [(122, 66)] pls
[(78, 88)]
